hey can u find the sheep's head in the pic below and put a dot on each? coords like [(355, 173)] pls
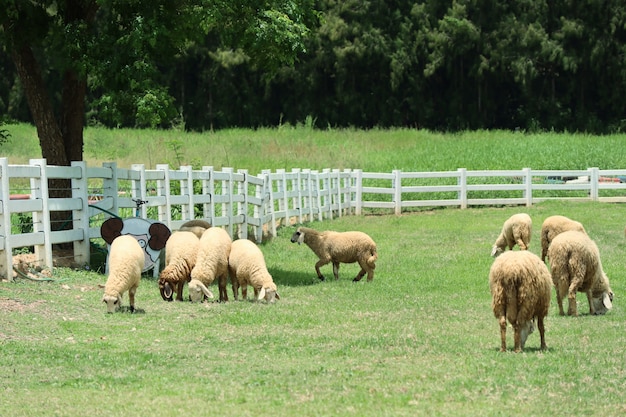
[(268, 294), (602, 297), (166, 289), (496, 251), (527, 328), (112, 302), (198, 291), (298, 237)]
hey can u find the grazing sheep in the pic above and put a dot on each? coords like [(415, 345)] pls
[(520, 287), (576, 266), (211, 263), (197, 227), (180, 258), (126, 261), (554, 225), (246, 266), (517, 229), (339, 247)]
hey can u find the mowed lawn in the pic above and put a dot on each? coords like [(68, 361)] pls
[(420, 340)]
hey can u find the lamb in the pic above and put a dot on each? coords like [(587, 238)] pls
[(339, 247), (211, 263), (520, 287), (554, 225), (517, 229), (197, 227), (180, 258), (126, 261), (246, 266), (575, 264)]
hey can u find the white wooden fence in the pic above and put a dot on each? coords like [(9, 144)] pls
[(255, 205)]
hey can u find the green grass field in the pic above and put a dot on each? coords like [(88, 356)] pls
[(420, 340)]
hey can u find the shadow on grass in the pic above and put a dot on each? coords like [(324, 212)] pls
[(293, 279)]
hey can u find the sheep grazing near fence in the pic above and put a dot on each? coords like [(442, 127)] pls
[(246, 266), (196, 226), (211, 263), (339, 247), (180, 258), (576, 267), (517, 229), (126, 261), (552, 227), (520, 287)]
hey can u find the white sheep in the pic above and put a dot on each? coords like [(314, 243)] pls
[(554, 225), (196, 226), (246, 266), (180, 258), (520, 287), (576, 267), (339, 247), (126, 261), (211, 263), (517, 229)]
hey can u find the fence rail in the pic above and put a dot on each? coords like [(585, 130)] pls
[(253, 205)]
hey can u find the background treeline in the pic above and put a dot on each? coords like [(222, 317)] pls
[(441, 65)]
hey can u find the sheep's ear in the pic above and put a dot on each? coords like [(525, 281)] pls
[(261, 294), (206, 291), (167, 290), (606, 300), (494, 251), (301, 238), (277, 296)]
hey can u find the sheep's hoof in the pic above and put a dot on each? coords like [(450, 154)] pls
[(132, 309), (322, 278)]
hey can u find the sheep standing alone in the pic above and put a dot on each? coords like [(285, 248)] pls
[(554, 225), (211, 263), (246, 266), (126, 261), (517, 229), (180, 258), (339, 247), (576, 266), (520, 287)]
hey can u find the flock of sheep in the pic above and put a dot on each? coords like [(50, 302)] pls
[(521, 283), (198, 254)]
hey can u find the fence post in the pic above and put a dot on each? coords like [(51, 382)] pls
[(397, 191), (462, 182), (80, 218), (208, 188), (6, 260), (242, 207), (268, 196), (358, 192), (594, 182), (186, 189), (227, 208), (138, 190), (296, 185), (109, 187), (165, 212), (41, 220), (528, 182)]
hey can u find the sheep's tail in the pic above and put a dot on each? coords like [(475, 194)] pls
[(372, 259)]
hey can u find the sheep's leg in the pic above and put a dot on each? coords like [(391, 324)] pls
[(571, 298), (235, 286), (336, 270), (319, 264), (244, 292), (179, 290), (542, 332), (221, 282), (592, 310), (517, 337), (503, 333), (131, 298)]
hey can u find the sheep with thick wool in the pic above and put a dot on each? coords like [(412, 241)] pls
[(576, 267), (211, 263), (517, 229), (552, 226), (180, 258), (339, 247), (246, 266), (520, 287), (126, 261), (195, 226)]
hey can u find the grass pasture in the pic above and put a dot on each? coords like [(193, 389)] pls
[(420, 340)]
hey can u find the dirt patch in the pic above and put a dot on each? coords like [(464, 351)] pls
[(11, 305), (26, 264)]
